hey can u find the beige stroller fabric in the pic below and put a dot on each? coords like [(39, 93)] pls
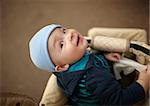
[(127, 33), (110, 44), (118, 45), (53, 95)]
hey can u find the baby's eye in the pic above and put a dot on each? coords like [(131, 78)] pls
[(61, 44)]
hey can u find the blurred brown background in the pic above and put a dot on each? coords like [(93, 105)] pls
[(20, 19)]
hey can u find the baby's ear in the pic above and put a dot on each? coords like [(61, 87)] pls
[(60, 68)]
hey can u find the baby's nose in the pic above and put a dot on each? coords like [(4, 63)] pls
[(70, 34), (73, 35)]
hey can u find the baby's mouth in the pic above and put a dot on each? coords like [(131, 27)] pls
[(78, 39)]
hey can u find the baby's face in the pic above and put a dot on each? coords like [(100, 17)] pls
[(66, 46)]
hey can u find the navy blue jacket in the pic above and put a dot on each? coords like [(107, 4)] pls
[(102, 84)]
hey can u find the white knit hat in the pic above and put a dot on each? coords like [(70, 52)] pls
[(38, 48)]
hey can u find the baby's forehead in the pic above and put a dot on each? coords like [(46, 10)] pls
[(55, 30), (55, 35), (59, 29)]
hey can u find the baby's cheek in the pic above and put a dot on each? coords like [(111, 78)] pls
[(74, 51), (74, 56)]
